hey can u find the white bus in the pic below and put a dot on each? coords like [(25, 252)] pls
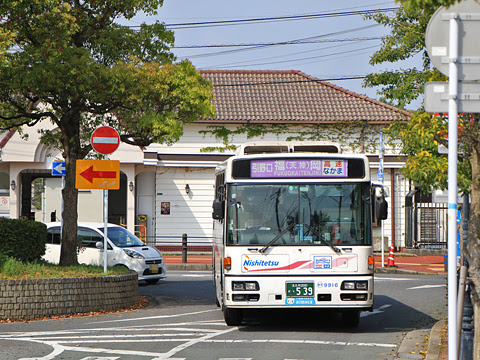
[(293, 229)]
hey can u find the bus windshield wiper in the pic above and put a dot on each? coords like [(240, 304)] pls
[(262, 250), (333, 247)]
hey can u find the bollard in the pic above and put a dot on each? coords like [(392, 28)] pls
[(466, 343), (184, 248)]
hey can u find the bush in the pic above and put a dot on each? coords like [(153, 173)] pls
[(3, 260), (13, 267), (22, 239)]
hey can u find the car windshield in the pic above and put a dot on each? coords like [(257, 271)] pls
[(293, 214), (122, 237)]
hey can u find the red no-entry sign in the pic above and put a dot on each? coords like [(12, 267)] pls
[(105, 140)]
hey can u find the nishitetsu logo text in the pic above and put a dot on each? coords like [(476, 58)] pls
[(260, 263), (264, 263)]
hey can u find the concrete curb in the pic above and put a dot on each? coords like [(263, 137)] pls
[(435, 341), (411, 345), (380, 270)]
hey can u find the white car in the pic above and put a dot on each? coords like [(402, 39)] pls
[(124, 248)]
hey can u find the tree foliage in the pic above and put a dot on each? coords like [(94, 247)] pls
[(425, 165), (405, 41), (69, 62), (425, 4)]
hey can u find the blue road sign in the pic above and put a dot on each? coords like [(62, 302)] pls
[(58, 168)]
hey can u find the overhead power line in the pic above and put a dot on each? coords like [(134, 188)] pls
[(276, 18), (293, 60), (202, 24), (256, 47), (292, 42)]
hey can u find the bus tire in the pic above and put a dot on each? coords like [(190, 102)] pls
[(351, 317), (233, 317)]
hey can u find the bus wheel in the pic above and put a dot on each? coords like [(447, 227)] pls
[(351, 317), (233, 317)]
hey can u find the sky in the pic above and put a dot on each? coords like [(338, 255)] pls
[(332, 47)]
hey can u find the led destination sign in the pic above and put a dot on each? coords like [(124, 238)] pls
[(298, 168)]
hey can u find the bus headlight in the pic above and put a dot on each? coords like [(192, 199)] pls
[(348, 285), (251, 286), (245, 285), (362, 285), (355, 285)]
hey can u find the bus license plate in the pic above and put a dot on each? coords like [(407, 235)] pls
[(300, 289)]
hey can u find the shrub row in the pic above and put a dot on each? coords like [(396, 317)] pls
[(22, 239)]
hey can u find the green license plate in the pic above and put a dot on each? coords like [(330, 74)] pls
[(300, 289)]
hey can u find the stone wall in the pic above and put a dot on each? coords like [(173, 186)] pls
[(37, 298)]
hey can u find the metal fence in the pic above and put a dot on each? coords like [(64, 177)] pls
[(426, 225), (181, 243)]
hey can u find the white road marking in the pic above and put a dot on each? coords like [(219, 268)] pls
[(196, 341), (157, 317), (427, 287), (375, 311), (309, 342)]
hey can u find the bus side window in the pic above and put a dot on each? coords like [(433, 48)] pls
[(218, 207)]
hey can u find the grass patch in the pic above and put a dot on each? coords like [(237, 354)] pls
[(11, 268)]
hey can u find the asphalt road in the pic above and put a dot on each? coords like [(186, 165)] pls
[(181, 321)]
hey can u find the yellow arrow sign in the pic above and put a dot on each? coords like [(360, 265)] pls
[(98, 174)]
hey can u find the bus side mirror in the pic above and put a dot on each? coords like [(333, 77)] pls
[(218, 209), (381, 209)]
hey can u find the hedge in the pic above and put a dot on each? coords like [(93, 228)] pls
[(22, 239)]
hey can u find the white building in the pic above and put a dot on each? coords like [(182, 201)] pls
[(172, 186)]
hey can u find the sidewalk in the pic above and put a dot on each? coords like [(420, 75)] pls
[(414, 345)]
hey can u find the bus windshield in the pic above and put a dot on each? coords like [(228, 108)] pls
[(298, 214)]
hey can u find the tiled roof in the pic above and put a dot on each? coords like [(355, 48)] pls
[(290, 96)]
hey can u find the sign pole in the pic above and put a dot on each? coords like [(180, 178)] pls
[(380, 177), (105, 226), (452, 187), (105, 140)]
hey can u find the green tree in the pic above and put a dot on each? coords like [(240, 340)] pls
[(69, 62), (405, 41)]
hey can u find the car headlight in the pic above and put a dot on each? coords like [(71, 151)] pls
[(133, 254)]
